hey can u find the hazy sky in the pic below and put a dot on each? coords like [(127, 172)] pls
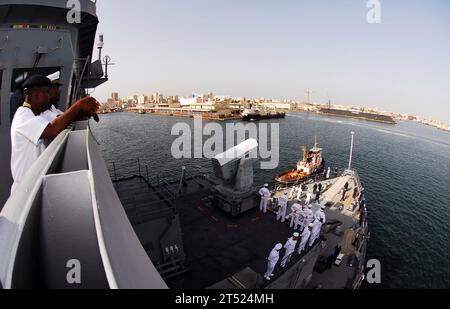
[(278, 49)]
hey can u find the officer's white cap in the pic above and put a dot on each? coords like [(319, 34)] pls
[(266, 185)]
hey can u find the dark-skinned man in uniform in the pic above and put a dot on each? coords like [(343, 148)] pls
[(29, 130), (55, 94)]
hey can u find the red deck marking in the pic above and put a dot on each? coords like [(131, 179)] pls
[(232, 226), (205, 212)]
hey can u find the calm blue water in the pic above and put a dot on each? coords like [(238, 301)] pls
[(404, 168)]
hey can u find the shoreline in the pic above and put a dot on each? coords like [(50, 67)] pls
[(346, 116), (240, 118), (359, 118)]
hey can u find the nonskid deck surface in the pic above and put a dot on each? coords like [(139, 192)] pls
[(219, 246)]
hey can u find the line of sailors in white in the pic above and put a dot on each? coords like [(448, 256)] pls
[(265, 196), (303, 216)]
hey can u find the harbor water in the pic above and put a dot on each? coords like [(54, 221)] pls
[(405, 170)]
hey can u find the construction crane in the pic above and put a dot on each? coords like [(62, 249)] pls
[(309, 93)]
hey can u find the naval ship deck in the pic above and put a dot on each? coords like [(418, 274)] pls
[(343, 276), (217, 246)]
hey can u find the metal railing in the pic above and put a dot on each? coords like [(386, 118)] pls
[(358, 180), (124, 171), (22, 209), (14, 218)]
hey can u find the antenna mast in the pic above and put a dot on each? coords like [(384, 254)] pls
[(351, 151)]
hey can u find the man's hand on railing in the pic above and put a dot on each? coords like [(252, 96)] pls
[(89, 104), (89, 108), (85, 107)]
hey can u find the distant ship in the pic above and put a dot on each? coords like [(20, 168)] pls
[(254, 114), (369, 116), (312, 163)]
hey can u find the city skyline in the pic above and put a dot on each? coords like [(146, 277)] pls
[(139, 98), (278, 51)]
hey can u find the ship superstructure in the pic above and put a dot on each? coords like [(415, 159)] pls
[(65, 212)]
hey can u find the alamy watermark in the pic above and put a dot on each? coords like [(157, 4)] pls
[(74, 14), (374, 14), (373, 275), (74, 274), (190, 143)]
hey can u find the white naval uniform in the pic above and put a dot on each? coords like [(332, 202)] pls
[(320, 219), (273, 260), (303, 217), (291, 194), (283, 203), (265, 196), (295, 216), (320, 216), (308, 217), (51, 114), (299, 194), (290, 248), (315, 234), (26, 142), (305, 237), (308, 198)]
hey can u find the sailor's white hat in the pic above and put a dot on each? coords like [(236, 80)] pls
[(279, 247), (324, 207), (311, 225), (266, 185), (296, 235)]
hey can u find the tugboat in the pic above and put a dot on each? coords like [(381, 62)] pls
[(312, 164)]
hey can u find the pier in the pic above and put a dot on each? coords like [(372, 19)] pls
[(188, 113)]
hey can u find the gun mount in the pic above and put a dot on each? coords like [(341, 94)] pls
[(234, 168)]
